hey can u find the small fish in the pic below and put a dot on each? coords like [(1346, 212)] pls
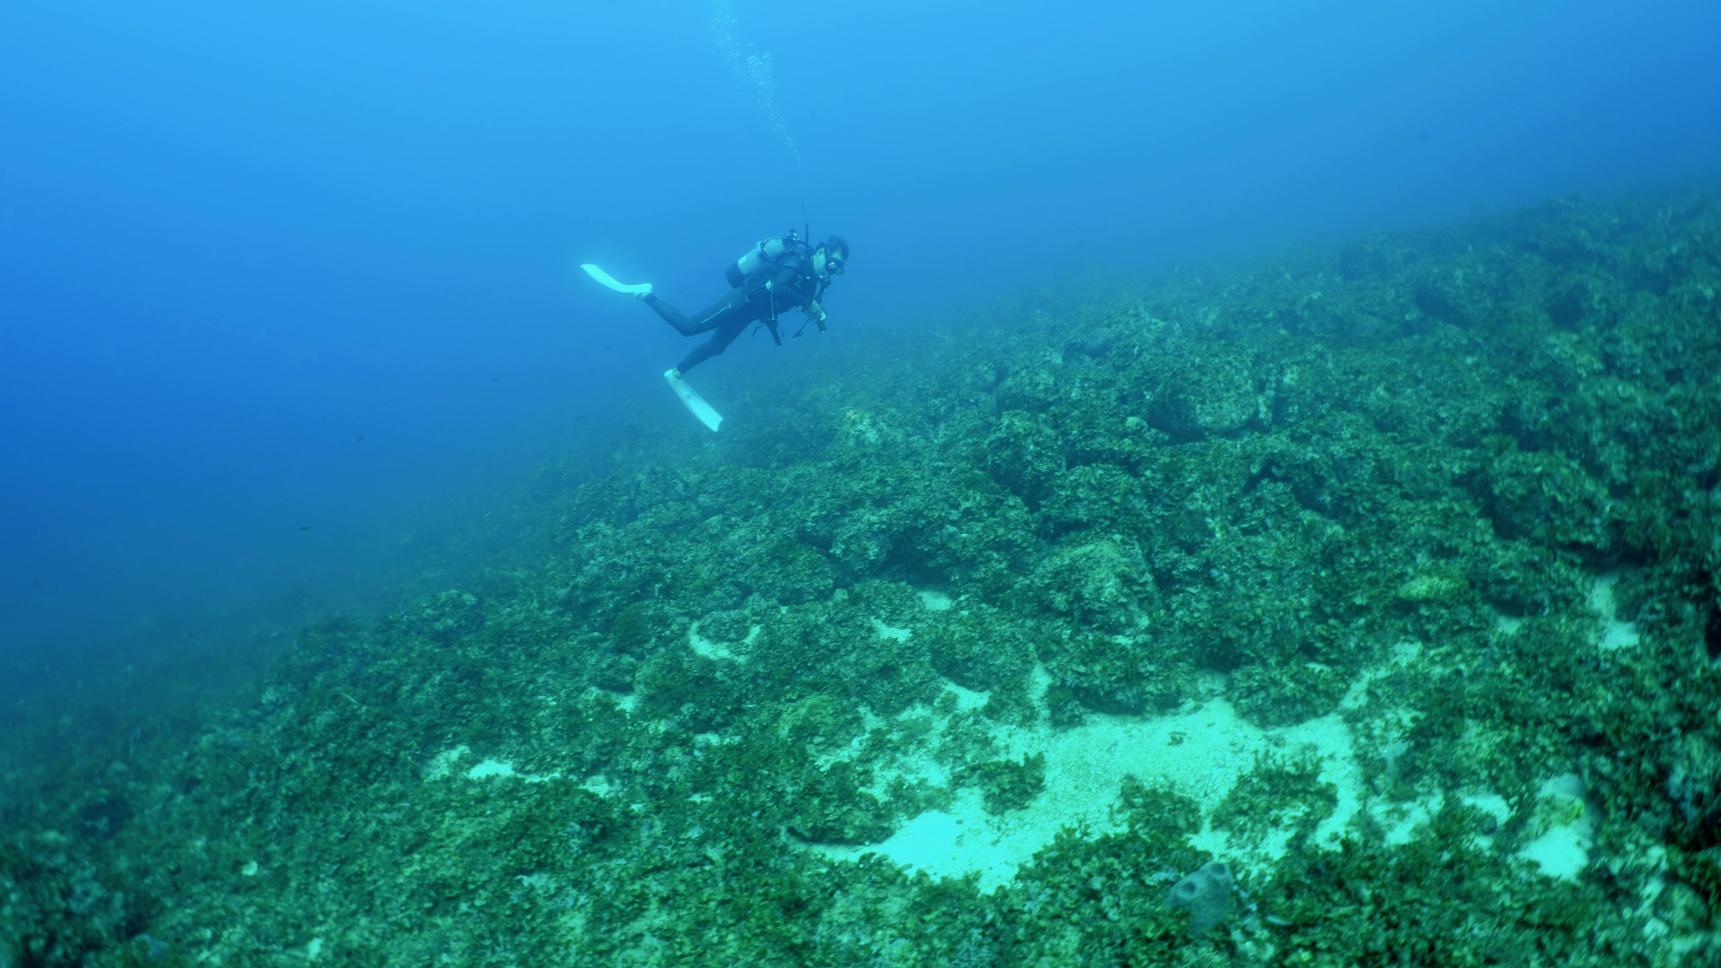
[(304, 527), (360, 439)]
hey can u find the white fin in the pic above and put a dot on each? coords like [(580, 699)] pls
[(694, 403), (605, 279)]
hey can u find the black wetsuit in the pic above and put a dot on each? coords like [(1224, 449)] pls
[(792, 284)]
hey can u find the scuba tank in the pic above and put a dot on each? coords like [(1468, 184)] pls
[(761, 256)]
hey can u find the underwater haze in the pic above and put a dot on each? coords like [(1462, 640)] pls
[(284, 283), (1256, 498)]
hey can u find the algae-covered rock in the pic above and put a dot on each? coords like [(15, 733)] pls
[(1103, 583), (1024, 455), (1431, 588), (1032, 388), (844, 654), (1103, 497), (778, 564), (821, 724), (976, 647), (450, 615), (1212, 393), (1007, 785), (1546, 498), (1277, 797), (702, 694), (1116, 674), (1278, 694), (832, 808), (865, 539), (635, 628)]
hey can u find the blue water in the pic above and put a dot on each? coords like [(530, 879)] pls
[(284, 285)]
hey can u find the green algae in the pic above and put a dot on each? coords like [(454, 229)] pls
[(1374, 489)]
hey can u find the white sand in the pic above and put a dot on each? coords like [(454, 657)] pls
[(1615, 633), (1200, 752)]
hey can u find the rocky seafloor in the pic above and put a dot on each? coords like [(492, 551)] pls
[(1357, 606)]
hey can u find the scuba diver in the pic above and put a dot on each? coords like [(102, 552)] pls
[(774, 276)]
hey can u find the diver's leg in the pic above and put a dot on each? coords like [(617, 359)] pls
[(706, 321), (727, 330)]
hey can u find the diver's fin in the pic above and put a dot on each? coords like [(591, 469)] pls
[(691, 399), (604, 278)]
